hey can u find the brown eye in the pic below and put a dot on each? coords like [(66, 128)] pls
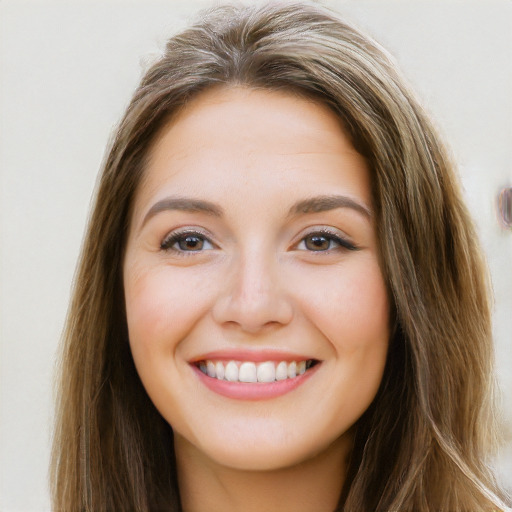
[(191, 243), (317, 242), (186, 242), (323, 242)]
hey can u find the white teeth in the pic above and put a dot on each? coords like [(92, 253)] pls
[(282, 371), (210, 369), (231, 373), (219, 370), (247, 371), (266, 372)]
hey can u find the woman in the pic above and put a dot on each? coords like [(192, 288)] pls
[(281, 303)]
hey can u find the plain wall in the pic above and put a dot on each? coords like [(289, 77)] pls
[(67, 70)]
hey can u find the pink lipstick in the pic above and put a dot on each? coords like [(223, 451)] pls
[(247, 375)]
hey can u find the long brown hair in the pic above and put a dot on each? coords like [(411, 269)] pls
[(422, 444)]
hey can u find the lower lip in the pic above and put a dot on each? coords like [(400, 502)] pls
[(253, 390)]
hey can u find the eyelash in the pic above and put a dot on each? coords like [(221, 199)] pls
[(343, 243), (180, 236)]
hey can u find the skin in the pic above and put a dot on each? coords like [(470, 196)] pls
[(256, 285)]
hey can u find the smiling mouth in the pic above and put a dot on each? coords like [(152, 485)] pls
[(251, 372)]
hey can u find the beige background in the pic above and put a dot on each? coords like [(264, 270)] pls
[(67, 70)]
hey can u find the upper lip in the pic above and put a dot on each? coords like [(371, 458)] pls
[(256, 356)]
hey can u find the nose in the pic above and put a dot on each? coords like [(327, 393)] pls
[(253, 297)]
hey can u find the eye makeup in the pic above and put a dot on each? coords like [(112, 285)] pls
[(325, 240), (186, 241), (321, 240)]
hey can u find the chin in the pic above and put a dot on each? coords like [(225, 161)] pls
[(266, 449), (258, 458)]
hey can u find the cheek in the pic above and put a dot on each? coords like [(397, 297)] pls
[(162, 305), (352, 309), (353, 315)]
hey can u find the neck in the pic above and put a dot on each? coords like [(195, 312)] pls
[(313, 485)]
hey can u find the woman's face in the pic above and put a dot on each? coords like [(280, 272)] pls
[(257, 311)]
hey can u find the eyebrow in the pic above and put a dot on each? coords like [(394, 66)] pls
[(325, 203), (311, 205), (184, 204)]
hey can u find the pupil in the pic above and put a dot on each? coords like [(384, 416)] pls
[(317, 242), (191, 243)]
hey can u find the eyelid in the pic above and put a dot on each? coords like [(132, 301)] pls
[(174, 235), (345, 242)]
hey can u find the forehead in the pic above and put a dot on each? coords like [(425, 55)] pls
[(246, 115), (237, 138)]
